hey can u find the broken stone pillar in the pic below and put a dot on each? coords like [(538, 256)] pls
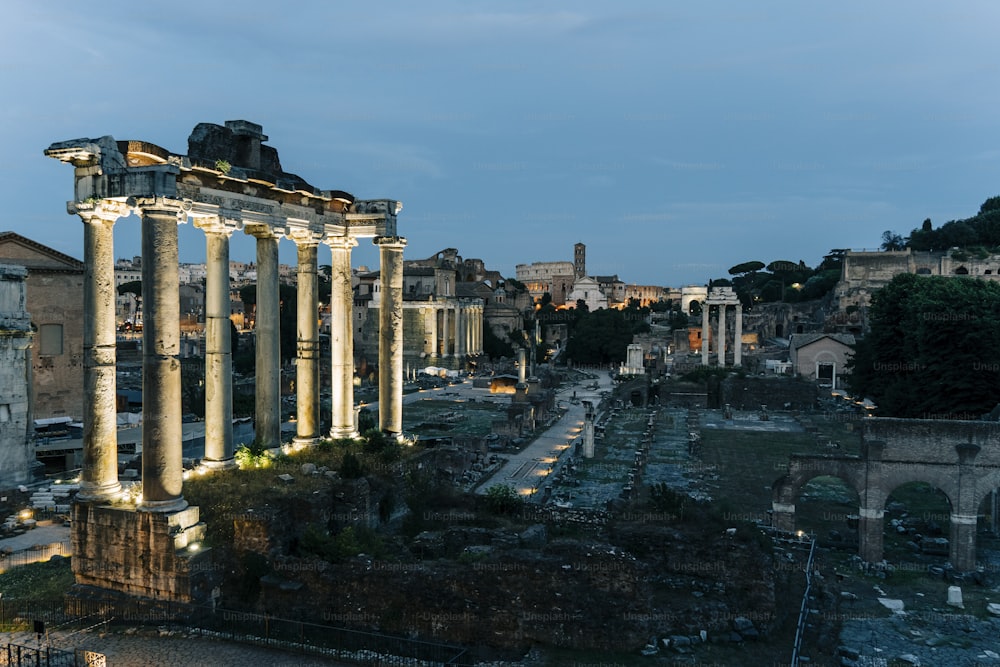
[(342, 424), (390, 335), (522, 366), (782, 516), (955, 597), (588, 430), (162, 471), (307, 347), (870, 527), (99, 477), (267, 426), (962, 542), (218, 347)]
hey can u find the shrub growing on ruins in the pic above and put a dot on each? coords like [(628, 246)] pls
[(503, 499)]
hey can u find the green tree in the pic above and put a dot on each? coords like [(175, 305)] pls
[(933, 348), (892, 241)]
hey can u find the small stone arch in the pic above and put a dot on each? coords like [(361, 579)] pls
[(961, 271), (923, 272)]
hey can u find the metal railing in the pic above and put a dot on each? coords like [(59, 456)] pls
[(804, 609)]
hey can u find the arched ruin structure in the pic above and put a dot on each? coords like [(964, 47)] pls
[(960, 458)]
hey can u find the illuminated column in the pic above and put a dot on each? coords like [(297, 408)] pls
[(162, 472), (738, 338), (480, 323), (722, 335), (268, 343), (444, 330), (390, 335), (307, 346), (460, 327), (433, 331), (218, 346), (342, 337), (99, 477), (705, 332)]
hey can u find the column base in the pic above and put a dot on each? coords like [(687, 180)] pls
[(103, 493), (344, 434), (163, 506), (224, 464), (299, 442), (154, 555)]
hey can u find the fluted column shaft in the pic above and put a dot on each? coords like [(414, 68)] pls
[(307, 343), (218, 350), (460, 330), (99, 477), (433, 331), (268, 343), (342, 338), (390, 343), (162, 473)]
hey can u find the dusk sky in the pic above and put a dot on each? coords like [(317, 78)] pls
[(674, 139)]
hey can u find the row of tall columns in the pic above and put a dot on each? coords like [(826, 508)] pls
[(465, 338), (162, 432), (720, 341)]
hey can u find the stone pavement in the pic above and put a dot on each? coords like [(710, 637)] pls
[(150, 649)]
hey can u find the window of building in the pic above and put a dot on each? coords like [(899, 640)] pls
[(50, 340)]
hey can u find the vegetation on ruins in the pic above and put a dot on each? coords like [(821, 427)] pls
[(783, 281), (933, 350), (979, 234), (602, 336)]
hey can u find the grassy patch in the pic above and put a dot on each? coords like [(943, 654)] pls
[(50, 580)]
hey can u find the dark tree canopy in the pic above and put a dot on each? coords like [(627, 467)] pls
[(981, 230), (933, 350)]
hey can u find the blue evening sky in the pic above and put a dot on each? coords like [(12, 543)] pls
[(675, 139)]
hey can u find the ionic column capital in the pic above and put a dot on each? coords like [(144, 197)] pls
[(224, 223), (265, 232), (390, 242), (304, 237), (169, 205), (340, 242), (107, 210)]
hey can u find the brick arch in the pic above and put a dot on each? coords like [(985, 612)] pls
[(893, 482), (787, 488)]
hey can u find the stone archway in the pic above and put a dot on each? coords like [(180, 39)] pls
[(961, 458)]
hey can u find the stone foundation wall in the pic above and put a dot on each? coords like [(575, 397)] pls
[(143, 554), (750, 393)]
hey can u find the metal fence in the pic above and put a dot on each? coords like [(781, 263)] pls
[(18, 655), (367, 648), (35, 554), (804, 609)]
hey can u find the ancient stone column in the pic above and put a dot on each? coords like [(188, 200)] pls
[(390, 335), (267, 336), (99, 478), (738, 338), (162, 473), (479, 329), (342, 338), (722, 335), (307, 344), (522, 365), (460, 327), (704, 334), (218, 347), (870, 527), (445, 348), (783, 516), (588, 430), (432, 331)]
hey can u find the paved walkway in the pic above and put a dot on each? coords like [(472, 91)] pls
[(527, 469)]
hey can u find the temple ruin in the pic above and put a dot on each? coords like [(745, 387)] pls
[(228, 181)]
